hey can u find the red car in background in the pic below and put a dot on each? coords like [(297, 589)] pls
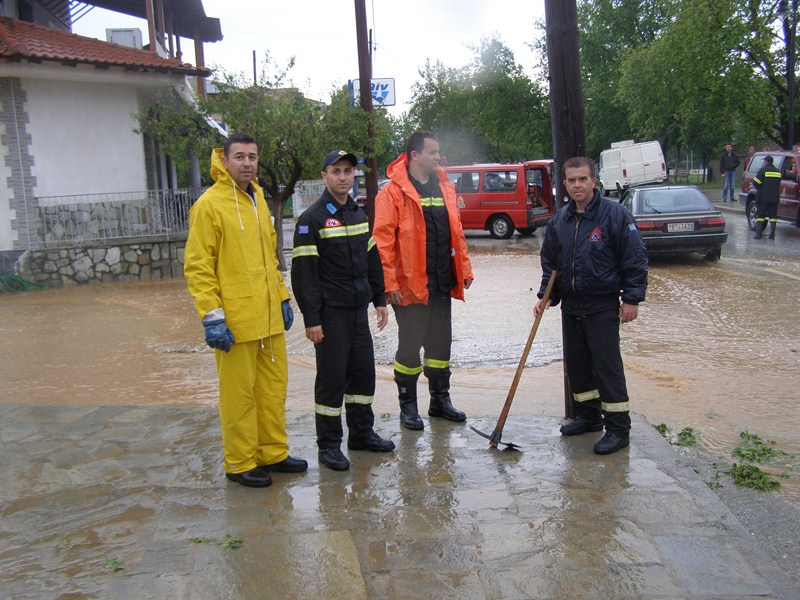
[(789, 203)]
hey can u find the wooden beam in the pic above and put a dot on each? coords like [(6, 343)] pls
[(200, 61), (151, 25)]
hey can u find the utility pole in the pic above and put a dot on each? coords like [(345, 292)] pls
[(790, 72), (566, 94), (365, 79), (566, 106)]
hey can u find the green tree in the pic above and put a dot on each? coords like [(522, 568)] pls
[(488, 110), (293, 132), (609, 29)]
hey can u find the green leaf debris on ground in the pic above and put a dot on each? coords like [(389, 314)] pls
[(686, 437), (115, 565), (231, 543), (752, 477), (755, 450), (664, 430), (752, 448)]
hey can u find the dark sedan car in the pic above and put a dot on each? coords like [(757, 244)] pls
[(676, 219)]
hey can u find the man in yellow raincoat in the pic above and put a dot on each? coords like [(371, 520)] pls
[(232, 272)]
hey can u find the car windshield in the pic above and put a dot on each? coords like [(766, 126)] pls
[(673, 201)]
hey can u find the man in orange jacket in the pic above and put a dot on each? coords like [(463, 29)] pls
[(424, 254)]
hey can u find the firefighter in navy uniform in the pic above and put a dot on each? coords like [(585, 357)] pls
[(601, 260), (768, 185), (336, 273)]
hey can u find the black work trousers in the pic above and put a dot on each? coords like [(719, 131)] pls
[(345, 374), (594, 368), (766, 211), (425, 326)]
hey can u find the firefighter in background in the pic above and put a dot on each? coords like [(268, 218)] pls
[(425, 264), (768, 190), (232, 272), (336, 273)]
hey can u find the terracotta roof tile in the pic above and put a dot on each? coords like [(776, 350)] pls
[(23, 40)]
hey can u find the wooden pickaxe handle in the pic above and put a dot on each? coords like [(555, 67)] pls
[(501, 422)]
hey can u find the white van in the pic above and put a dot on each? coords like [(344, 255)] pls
[(627, 163)]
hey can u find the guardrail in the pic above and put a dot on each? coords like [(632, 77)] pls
[(112, 216)]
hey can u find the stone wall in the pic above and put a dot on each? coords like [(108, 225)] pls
[(132, 260)]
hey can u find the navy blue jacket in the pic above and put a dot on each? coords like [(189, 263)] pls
[(334, 261), (599, 255)]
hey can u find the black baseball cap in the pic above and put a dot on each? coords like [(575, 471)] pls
[(336, 156), (768, 159)]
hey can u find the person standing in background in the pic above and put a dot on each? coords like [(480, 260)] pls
[(727, 168)]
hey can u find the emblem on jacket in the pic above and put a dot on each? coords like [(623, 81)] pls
[(333, 223), (596, 235)]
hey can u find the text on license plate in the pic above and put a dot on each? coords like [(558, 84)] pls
[(676, 227)]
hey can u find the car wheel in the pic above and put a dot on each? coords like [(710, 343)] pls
[(501, 228), (714, 255), (526, 231), (751, 215)]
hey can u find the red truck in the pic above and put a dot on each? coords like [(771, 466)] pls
[(503, 197)]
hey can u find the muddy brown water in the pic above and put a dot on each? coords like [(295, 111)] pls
[(715, 347)]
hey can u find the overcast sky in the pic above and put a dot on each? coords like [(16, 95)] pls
[(321, 35)]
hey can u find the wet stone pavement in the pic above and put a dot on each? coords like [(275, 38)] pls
[(88, 488)]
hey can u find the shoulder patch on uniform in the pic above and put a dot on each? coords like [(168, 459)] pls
[(333, 223), (596, 235), (632, 226), (331, 208), (302, 229)]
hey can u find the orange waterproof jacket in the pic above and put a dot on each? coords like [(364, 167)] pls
[(399, 233)]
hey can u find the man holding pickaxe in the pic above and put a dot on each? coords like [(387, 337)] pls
[(600, 257)]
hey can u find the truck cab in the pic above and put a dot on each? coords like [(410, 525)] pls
[(500, 198)]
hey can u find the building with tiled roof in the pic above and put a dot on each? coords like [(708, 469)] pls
[(69, 106), (29, 42)]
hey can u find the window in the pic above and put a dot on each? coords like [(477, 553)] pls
[(500, 181), (672, 201), (464, 182)]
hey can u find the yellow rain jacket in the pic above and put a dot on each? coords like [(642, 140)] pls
[(222, 264)]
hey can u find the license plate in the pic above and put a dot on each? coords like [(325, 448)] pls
[(678, 227)]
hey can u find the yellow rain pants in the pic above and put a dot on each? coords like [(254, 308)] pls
[(252, 400)]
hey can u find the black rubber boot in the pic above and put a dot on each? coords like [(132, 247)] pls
[(441, 405), (760, 226), (407, 395), (772, 230)]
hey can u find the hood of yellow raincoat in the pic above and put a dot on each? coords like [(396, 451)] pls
[(218, 171)]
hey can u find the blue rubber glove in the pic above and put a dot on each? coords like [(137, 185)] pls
[(288, 315), (218, 335)]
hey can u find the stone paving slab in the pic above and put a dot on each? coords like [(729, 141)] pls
[(442, 517)]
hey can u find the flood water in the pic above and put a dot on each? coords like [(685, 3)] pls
[(715, 347)]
